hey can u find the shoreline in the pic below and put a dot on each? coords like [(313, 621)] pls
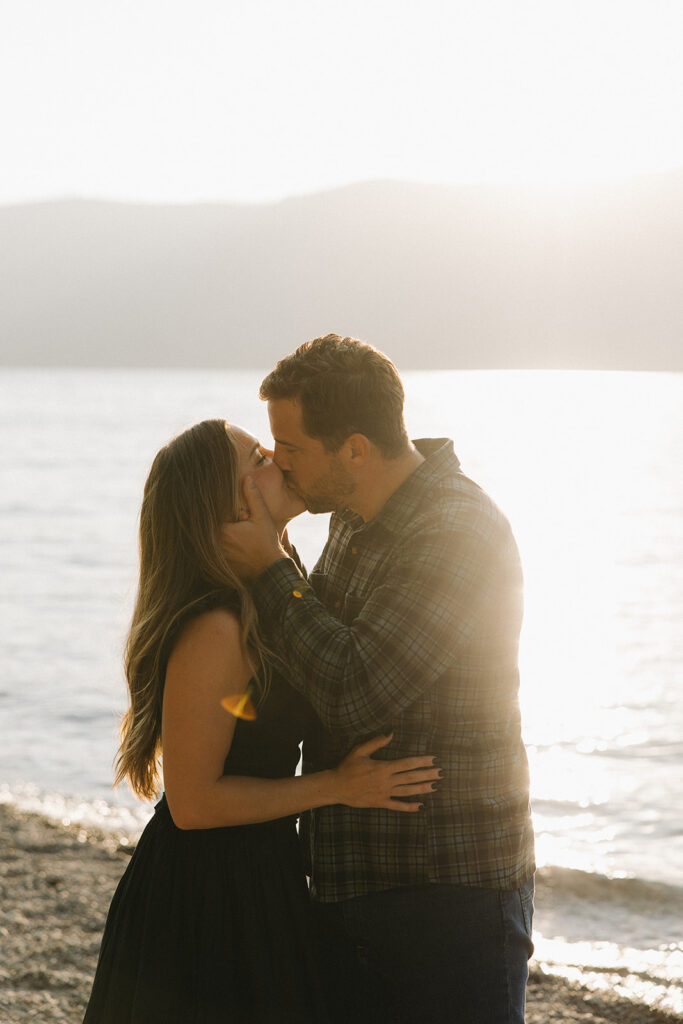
[(56, 883)]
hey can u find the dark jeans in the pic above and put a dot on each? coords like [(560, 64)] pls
[(427, 955)]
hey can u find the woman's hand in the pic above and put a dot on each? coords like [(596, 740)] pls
[(362, 781)]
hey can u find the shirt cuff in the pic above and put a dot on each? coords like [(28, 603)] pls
[(280, 583)]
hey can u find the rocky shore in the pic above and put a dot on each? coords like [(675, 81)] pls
[(56, 883)]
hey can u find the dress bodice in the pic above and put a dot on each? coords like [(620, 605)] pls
[(269, 746)]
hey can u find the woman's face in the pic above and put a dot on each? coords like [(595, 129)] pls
[(257, 462)]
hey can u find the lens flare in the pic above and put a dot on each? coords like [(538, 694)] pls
[(240, 705)]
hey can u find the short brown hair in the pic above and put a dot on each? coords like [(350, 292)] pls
[(344, 387)]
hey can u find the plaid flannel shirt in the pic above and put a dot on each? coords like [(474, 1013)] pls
[(410, 623)]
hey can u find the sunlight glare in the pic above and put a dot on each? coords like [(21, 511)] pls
[(533, 92)]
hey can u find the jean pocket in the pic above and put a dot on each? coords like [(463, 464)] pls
[(526, 900)]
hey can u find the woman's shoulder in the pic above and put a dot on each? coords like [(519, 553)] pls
[(209, 651), (218, 623), (219, 618), (210, 628), (220, 600), (218, 605), (224, 600)]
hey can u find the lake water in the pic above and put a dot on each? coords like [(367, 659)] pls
[(589, 469)]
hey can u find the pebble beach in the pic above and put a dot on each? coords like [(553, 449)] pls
[(56, 882)]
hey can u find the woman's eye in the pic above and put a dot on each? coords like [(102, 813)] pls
[(260, 459)]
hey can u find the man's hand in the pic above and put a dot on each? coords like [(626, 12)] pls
[(251, 545)]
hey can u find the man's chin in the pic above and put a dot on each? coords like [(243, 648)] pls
[(312, 503), (317, 507)]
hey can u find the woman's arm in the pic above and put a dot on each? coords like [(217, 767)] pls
[(208, 662)]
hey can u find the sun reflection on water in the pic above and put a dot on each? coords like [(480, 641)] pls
[(580, 464)]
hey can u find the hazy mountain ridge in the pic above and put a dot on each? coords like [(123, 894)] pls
[(437, 276)]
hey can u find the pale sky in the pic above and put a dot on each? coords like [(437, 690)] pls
[(163, 100)]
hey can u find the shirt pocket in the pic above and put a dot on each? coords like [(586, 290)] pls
[(320, 582), (331, 596), (350, 608), (345, 606)]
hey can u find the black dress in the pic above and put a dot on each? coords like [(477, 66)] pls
[(212, 926)]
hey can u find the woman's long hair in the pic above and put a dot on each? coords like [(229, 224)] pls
[(192, 487)]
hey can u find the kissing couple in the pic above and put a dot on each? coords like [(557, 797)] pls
[(394, 661)]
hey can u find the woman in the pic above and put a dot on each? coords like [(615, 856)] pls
[(210, 920)]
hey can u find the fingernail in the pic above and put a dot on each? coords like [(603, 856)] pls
[(440, 775), (434, 786), (250, 482)]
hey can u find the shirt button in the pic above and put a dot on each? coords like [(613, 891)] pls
[(354, 551), (296, 593), (337, 604)]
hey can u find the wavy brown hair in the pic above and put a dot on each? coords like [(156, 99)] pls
[(192, 487)]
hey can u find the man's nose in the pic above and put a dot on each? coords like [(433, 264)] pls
[(280, 458)]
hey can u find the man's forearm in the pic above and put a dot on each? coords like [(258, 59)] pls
[(360, 676)]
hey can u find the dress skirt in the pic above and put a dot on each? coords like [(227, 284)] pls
[(208, 927)]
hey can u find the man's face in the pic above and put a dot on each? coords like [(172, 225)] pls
[(319, 477)]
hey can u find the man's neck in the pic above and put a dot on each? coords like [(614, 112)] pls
[(381, 481)]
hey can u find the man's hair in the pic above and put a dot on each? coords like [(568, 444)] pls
[(344, 387)]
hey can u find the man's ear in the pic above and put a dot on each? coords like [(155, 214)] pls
[(357, 449)]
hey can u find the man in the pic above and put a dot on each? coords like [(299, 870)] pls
[(408, 624)]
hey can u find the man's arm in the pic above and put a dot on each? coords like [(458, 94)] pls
[(435, 603), (441, 594)]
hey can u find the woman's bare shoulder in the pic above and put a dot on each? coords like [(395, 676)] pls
[(219, 622), (210, 642)]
